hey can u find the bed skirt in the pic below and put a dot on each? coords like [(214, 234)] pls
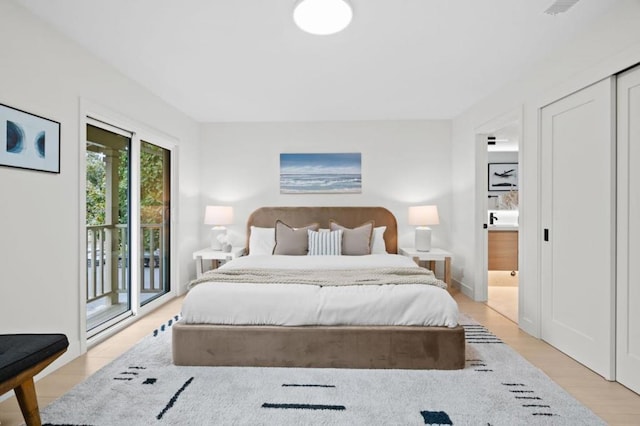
[(400, 347)]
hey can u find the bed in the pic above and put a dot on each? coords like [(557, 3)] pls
[(302, 324)]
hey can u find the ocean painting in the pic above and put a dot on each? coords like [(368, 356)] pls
[(321, 173)]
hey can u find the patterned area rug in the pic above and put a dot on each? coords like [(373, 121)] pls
[(143, 387)]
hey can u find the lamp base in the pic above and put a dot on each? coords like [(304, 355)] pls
[(423, 238), (215, 232)]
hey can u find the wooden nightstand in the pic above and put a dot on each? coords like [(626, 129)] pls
[(431, 257), (215, 256)]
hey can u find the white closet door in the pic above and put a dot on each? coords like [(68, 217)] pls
[(578, 212), (628, 278)]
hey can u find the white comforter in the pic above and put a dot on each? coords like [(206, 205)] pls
[(301, 304)]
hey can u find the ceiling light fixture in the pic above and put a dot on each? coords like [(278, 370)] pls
[(322, 17)]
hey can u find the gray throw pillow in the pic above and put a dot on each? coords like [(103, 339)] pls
[(292, 241), (356, 241)]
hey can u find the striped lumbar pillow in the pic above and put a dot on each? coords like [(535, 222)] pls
[(325, 243)]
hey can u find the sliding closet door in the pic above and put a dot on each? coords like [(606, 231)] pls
[(578, 226), (628, 279)]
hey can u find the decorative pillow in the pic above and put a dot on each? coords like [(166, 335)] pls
[(378, 245), (262, 241), (292, 241), (325, 243), (356, 241)]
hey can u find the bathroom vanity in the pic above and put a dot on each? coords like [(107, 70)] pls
[(503, 248), (503, 240)]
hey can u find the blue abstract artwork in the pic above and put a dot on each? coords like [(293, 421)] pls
[(339, 173), (28, 141)]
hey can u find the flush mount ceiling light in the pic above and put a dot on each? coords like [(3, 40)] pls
[(322, 17)]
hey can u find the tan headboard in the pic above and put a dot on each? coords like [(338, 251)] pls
[(265, 217)]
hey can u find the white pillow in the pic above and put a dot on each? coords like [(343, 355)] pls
[(377, 241), (262, 241), (325, 243)]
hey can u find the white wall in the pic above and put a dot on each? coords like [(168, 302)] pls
[(502, 157), (403, 163), (44, 73), (610, 45)]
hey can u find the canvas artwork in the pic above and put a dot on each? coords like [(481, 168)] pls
[(321, 173), (28, 141), (503, 176)]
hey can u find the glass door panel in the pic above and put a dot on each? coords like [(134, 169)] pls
[(108, 289), (155, 195)]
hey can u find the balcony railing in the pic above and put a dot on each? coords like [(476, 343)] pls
[(108, 266)]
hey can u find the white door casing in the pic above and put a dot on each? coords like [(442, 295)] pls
[(577, 170), (628, 276)]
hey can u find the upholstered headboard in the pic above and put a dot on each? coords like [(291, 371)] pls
[(265, 217)]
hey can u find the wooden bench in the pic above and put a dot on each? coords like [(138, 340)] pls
[(22, 356)]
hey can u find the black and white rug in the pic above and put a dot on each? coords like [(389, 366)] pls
[(143, 387)]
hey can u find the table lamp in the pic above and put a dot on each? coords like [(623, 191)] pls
[(421, 216), (218, 216)]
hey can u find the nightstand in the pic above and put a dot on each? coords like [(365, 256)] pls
[(431, 257), (215, 256)]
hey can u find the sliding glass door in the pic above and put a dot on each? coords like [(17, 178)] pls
[(155, 197), (108, 170), (128, 224)]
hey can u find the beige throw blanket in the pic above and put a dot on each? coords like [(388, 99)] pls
[(330, 277)]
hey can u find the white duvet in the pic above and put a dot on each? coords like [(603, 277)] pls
[(302, 304)]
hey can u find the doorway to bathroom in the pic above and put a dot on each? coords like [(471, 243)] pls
[(498, 163)]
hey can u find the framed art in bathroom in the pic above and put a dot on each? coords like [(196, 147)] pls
[(503, 176), (28, 141)]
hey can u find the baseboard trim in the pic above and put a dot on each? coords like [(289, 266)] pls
[(465, 289)]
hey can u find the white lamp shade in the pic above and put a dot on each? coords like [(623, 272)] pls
[(322, 17), (218, 215), (423, 215)]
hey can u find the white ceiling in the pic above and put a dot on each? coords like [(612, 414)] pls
[(245, 60)]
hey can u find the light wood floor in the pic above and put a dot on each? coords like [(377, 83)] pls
[(611, 401), (503, 293)]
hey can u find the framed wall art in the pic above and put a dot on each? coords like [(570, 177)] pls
[(503, 176), (28, 141), (339, 173)]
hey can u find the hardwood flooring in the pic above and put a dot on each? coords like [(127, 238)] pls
[(503, 293), (611, 401), (614, 403)]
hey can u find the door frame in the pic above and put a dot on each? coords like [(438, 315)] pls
[(481, 289), (139, 131)]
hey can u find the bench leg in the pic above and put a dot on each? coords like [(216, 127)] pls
[(26, 394)]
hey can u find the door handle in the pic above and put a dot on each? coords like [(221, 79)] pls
[(546, 234)]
